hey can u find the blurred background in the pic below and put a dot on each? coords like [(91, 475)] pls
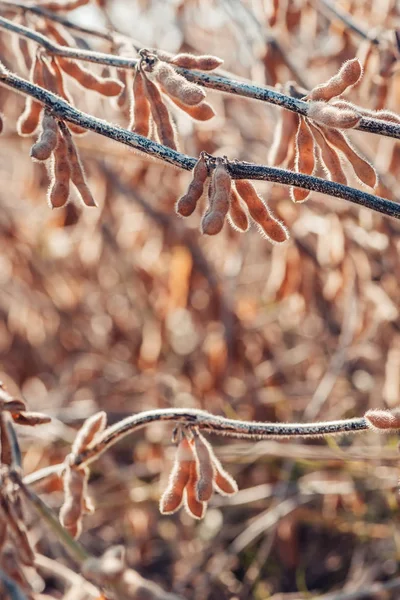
[(127, 307)]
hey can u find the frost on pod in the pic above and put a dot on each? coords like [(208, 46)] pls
[(177, 86), (348, 75), (195, 475), (48, 138)]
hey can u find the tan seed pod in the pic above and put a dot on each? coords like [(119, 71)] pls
[(329, 157), (48, 138), (219, 198), (202, 63), (62, 5), (54, 81), (186, 205), (364, 171), (172, 498), (205, 467), (107, 86), (194, 507), (29, 121), (88, 432), (160, 114), (30, 419), (383, 419), (237, 215), (78, 177), (333, 116), (75, 483), (348, 75), (140, 110), (260, 212), (223, 482), (177, 86), (304, 158), (284, 134), (58, 193), (200, 112)]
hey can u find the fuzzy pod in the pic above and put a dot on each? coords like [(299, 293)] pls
[(88, 432), (200, 112), (348, 75), (364, 171), (78, 177), (75, 485), (140, 110), (205, 468), (160, 114), (106, 86), (219, 198), (47, 141), (224, 483), (333, 116), (237, 215), (284, 134), (378, 419), (172, 498), (186, 205), (58, 193), (304, 158), (205, 62), (260, 212), (177, 86), (29, 121), (329, 157), (194, 507)]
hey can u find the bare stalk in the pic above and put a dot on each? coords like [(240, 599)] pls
[(238, 170)]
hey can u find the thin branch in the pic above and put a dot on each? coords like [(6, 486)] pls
[(212, 81), (327, 6), (238, 170), (217, 425)]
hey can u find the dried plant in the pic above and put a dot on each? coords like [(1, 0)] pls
[(117, 309)]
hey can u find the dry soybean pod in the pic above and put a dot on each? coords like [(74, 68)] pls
[(221, 182), (237, 215), (186, 205), (89, 430), (284, 134), (205, 62), (47, 141), (107, 86), (223, 482), (347, 76), (304, 158), (194, 507), (56, 85), (77, 173), (64, 6), (329, 157), (204, 453), (259, 211), (177, 86), (200, 112), (160, 114), (28, 122), (364, 171), (172, 498), (140, 111), (333, 116), (61, 172)]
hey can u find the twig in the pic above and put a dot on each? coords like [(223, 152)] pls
[(327, 6), (238, 170)]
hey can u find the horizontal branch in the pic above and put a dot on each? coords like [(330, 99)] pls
[(238, 170), (208, 80)]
